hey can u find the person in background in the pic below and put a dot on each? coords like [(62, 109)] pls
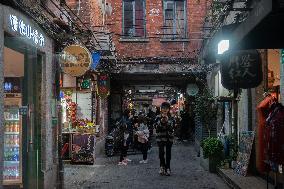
[(151, 116), (165, 137), (158, 111), (125, 129), (185, 119), (143, 137)]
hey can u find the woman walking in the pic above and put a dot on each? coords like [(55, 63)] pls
[(165, 137)]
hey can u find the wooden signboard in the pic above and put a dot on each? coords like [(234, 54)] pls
[(241, 69), (75, 60), (245, 146)]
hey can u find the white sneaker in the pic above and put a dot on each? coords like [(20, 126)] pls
[(142, 161), (168, 172), (122, 163), (129, 160), (162, 171), (145, 161)]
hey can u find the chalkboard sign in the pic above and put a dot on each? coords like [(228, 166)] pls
[(83, 146), (245, 146), (241, 69)]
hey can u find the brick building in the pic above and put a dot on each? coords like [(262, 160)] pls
[(157, 45), (156, 42), (145, 28)]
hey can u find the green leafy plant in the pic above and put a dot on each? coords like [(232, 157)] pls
[(206, 109), (233, 148), (212, 147)]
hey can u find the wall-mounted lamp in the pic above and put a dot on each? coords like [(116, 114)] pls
[(223, 46)]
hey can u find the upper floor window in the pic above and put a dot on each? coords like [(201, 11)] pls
[(134, 18), (174, 19)]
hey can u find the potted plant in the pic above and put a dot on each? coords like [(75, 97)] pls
[(213, 150)]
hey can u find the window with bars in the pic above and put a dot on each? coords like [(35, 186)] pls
[(174, 19), (134, 18)]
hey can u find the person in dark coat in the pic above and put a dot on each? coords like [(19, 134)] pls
[(126, 130), (185, 119), (165, 137)]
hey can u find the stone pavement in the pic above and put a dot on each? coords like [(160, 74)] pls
[(240, 182), (106, 174)]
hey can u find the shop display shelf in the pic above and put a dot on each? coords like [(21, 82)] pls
[(12, 162), (12, 133), (11, 146), (12, 182)]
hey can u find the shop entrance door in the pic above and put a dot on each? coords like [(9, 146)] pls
[(32, 175)]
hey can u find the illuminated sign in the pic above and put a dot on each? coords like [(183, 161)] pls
[(18, 25), (7, 86)]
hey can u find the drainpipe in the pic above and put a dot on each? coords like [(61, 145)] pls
[(79, 8), (60, 180), (235, 115), (2, 96), (60, 172)]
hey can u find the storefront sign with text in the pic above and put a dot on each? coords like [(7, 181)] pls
[(241, 69), (18, 25), (75, 60)]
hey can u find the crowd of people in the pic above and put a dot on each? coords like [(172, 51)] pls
[(136, 129)]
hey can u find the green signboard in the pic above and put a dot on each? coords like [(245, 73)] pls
[(85, 84)]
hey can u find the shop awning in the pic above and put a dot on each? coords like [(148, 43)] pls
[(262, 29)]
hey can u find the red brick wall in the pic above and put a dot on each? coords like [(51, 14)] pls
[(196, 11), (89, 12), (96, 14)]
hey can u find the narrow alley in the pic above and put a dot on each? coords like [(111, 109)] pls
[(141, 94), (106, 174)]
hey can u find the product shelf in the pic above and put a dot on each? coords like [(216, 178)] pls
[(12, 133), (12, 162)]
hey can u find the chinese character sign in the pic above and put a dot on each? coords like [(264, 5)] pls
[(75, 60), (18, 25), (103, 85), (241, 69)]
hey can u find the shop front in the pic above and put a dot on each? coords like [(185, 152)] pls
[(79, 129), (80, 105), (259, 31), (27, 103)]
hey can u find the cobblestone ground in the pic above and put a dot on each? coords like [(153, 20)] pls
[(106, 174)]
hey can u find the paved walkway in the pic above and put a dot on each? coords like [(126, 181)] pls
[(106, 174), (241, 182)]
